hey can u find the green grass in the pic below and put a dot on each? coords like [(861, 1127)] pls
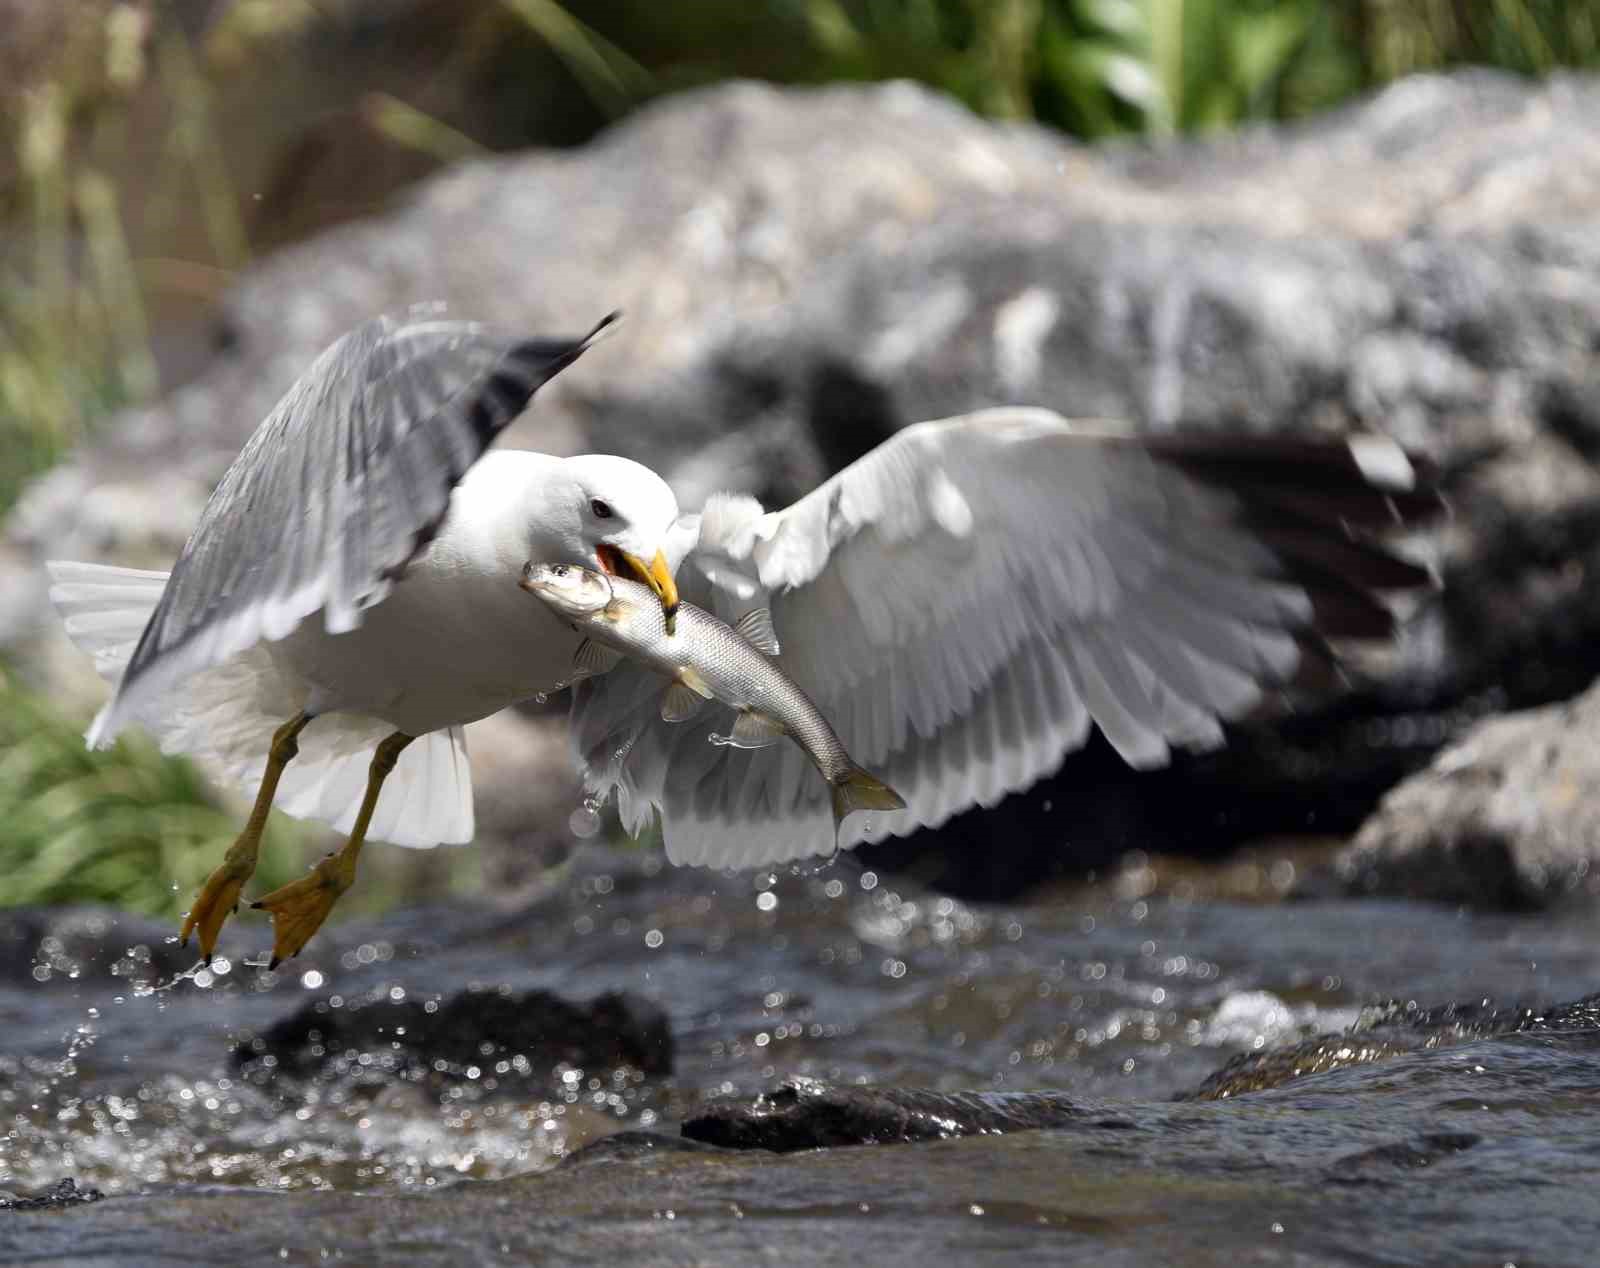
[(1098, 68), (127, 825)]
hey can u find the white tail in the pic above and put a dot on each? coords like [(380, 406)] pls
[(225, 716)]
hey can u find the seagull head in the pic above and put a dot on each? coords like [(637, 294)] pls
[(620, 517)]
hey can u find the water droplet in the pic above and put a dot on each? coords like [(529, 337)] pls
[(585, 820)]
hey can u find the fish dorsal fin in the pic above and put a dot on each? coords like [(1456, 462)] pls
[(593, 658), (680, 703), (755, 730), (756, 627)]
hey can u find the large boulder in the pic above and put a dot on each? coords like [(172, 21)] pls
[(805, 271), (1506, 818)]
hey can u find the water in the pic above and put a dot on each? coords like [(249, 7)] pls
[(116, 1070)]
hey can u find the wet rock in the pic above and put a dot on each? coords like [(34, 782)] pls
[(1506, 818), (1388, 1031), (63, 1193), (631, 1146), (806, 1113), (1379, 1164), (464, 1039), (72, 946)]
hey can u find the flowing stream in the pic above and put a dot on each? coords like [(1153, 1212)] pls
[(118, 1069)]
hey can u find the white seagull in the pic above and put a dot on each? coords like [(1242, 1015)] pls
[(963, 603)]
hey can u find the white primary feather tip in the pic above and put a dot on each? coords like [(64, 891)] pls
[(1383, 462)]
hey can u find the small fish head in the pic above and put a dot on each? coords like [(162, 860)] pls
[(570, 590)]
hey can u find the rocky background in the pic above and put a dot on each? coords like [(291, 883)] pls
[(804, 271)]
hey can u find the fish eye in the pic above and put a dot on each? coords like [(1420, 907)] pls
[(560, 570), (602, 509)]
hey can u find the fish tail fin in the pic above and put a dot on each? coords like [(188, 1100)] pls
[(857, 789)]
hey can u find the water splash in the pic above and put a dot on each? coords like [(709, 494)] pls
[(734, 741), (200, 973)]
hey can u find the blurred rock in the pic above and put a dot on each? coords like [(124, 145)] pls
[(524, 788), (1506, 818), (70, 947), (806, 271), (803, 1113), (462, 1041)]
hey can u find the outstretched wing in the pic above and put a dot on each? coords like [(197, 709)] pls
[(969, 598), (336, 491)]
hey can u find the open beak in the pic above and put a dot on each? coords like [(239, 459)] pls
[(656, 574)]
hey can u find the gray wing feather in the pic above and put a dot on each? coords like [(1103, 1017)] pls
[(969, 598), (339, 487)]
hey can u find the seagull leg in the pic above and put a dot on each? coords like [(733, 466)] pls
[(219, 897), (299, 908)]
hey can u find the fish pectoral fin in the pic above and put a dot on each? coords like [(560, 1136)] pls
[(690, 679), (593, 658), (680, 703), (755, 730), (756, 628)]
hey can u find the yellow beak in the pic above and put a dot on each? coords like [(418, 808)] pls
[(658, 576)]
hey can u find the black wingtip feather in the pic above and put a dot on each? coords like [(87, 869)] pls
[(1313, 477), (1322, 514)]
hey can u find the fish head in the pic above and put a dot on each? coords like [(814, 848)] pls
[(573, 592)]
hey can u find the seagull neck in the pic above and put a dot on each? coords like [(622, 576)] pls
[(506, 510)]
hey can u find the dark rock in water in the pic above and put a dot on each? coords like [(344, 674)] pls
[(465, 1038), (630, 1146), (809, 1114), (1379, 1164), (1389, 1031), (67, 946), (1507, 818), (62, 1193)]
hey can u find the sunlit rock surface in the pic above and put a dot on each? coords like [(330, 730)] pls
[(1507, 817)]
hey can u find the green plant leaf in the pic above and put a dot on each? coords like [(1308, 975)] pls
[(1263, 45)]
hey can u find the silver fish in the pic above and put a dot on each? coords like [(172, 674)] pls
[(705, 659)]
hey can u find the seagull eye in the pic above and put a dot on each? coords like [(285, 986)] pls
[(602, 510)]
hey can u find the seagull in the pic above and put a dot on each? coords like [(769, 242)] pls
[(964, 603)]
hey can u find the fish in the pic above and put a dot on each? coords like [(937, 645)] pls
[(705, 659)]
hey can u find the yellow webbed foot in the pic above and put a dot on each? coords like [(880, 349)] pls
[(299, 908), (219, 896), (218, 899)]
